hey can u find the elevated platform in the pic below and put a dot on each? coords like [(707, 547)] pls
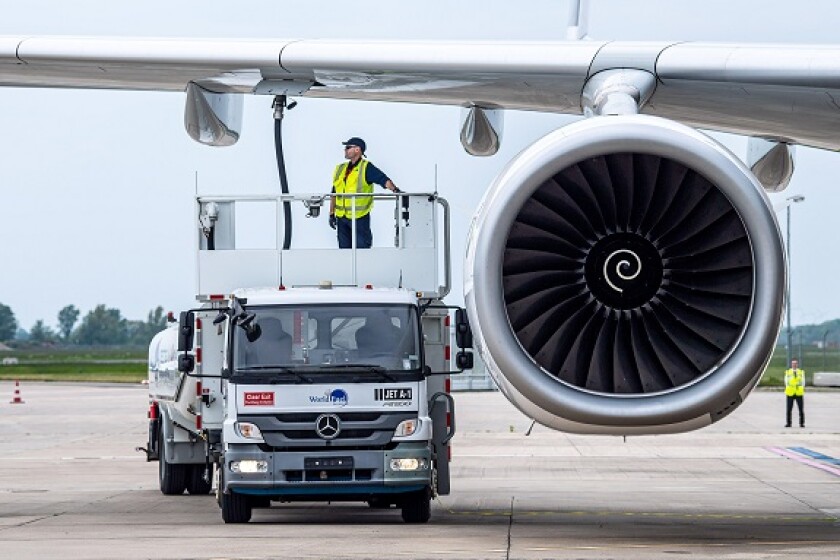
[(240, 244)]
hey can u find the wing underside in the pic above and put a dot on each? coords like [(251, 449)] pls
[(783, 92)]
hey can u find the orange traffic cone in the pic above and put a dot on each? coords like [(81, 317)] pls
[(17, 399)]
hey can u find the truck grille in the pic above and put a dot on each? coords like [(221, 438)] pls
[(343, 475), (358, 430), (343, 416), (345, 434)]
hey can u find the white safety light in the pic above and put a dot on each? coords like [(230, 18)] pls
[(407, 427), (409, 464), (249, 466), (248, 430)]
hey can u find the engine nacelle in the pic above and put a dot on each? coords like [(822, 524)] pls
[(625, 275)]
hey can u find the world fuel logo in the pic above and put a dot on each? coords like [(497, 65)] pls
[(336, 397)]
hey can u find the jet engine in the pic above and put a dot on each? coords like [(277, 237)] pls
[(625, 275)]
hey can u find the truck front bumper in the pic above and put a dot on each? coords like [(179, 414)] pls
[(333, 474)]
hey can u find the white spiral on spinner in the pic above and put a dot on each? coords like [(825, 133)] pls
[(619, 265)]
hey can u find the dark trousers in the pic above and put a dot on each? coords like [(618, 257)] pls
[(800, 403), (364, 237)]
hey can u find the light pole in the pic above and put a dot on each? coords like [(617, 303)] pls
[(790, 201), (799, 346), (825, 341)]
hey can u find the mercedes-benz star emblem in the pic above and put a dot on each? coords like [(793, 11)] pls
[(328, 426)]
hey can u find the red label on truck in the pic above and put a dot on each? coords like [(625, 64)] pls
[(259, 398)]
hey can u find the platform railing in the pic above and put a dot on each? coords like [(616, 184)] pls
[(412, 262)]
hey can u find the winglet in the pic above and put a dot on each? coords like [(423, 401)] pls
[(578, 26)]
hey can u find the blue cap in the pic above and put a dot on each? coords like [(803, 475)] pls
[(356, 141)]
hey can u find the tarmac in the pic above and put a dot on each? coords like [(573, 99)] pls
[(72, 486)]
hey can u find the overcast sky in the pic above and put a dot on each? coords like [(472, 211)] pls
[(96, 187)]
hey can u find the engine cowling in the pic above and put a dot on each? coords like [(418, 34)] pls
[(625, 275)]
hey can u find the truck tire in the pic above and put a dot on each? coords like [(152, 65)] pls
[(196, 485), (417, 508), (154, 441), (236, 508), (173, 478)]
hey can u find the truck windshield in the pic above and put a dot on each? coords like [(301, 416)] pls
[(304, 343)]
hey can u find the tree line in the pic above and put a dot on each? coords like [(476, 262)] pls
[(102, 326)]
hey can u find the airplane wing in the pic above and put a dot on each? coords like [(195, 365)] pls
[(789, 93)]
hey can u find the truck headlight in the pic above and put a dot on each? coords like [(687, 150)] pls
[(248, 430), (409, 464), (407, 427), (249, 466)]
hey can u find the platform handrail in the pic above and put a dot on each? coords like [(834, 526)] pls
[(318, 199)]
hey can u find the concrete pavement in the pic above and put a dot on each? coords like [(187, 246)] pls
[(71, 486)]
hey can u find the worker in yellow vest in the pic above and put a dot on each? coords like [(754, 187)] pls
[(795, 391), (356, 176)]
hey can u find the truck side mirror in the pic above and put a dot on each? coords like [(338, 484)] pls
[(186, 330), (464, 360), (253, 332), (220, 318), (248, 323), (463, 332), (186, 363)]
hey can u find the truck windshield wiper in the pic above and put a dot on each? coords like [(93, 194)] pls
[(364, 368), (282, 370)]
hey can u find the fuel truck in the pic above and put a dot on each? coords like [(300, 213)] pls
[(310, 374)]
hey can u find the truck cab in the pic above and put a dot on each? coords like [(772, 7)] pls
[(329, 401)]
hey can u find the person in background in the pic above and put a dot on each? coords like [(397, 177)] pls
[(356, 175), (795, 392)]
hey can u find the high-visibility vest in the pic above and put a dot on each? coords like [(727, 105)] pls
[(794, 382), (352, 183)]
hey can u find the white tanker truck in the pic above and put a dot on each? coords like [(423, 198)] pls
[(330, 384)]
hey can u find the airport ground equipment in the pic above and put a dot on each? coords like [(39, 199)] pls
[(313, 374)]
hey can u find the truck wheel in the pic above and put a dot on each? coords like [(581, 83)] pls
[(196, 485), (417, 508), (173, 478), (235, 508)]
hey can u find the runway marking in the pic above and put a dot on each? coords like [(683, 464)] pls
[(814, 455), (644, 514), (800, 459), (704, 544)]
